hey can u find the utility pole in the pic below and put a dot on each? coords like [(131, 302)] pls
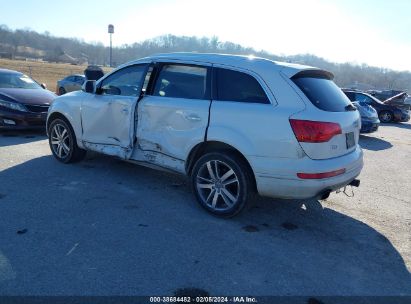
[(111, 32)]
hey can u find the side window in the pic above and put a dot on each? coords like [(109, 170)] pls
[(79, 79), (350, 95), (182, 81), (363, 98), (126, 81), (70, 78), (238, 86)]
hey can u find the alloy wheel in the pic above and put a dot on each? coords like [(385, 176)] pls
[(60, 140), (218, 185), (386, 117)]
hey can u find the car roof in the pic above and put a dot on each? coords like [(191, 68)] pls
[(257, 64), (80, 75), (6, 71), (355, 91), (361, 92)]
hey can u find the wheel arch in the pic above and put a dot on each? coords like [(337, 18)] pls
[(55, 115), (215, 146), (74, 153)]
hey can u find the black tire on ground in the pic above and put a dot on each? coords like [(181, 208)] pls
[(222, 183), (62, 91), (386, 116), (62, 141)]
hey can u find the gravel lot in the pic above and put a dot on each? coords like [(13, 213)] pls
[(106, 227)]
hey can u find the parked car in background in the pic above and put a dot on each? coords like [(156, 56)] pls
[(93, 72), (23, 102), (369, 117), (401, 100), (383, 94), (386, 113), (69, 84), (234, 124)]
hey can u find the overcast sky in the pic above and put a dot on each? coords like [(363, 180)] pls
[(375, 32)]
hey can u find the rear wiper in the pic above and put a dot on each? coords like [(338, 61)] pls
[(350, 107)]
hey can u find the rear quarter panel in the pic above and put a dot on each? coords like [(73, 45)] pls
[(259, 131)]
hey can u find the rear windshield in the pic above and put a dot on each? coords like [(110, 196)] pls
[(323, 93)]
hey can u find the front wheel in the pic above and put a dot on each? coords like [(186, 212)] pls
[(386, 116), (222, 183), (62, 141)]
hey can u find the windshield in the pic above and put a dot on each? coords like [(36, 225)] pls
[(17, 81), (363, 97)]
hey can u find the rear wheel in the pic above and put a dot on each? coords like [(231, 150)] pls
[(222, 183), (62, 141), (386, 116)]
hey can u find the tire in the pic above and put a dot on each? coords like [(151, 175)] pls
[(62, 141), (386, 116), (222, 183), (62, 91)]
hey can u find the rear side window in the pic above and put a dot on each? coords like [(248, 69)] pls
[(323, 93), (238, 86), (350, 95), (182, 81), (79, 79), (363, 98)]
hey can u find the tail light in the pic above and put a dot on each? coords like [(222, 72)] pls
[(314, 131), (320, 175)]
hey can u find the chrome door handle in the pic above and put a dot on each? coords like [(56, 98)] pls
[(124, 110), (193, 117)]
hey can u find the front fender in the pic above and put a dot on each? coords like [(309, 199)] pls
[(69, 106)]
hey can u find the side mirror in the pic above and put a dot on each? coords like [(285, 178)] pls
[(90, 86), (43, 85)]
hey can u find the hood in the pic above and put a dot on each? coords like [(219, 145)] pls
[(28, 96), (400, 101), (399, 98)]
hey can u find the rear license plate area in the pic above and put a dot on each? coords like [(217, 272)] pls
[(350, 140)]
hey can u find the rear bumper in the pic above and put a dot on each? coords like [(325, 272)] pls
[(22, 120), (401, 117), (369, 125), (278, 178)]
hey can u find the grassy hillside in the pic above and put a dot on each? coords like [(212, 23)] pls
[(25, 43), (44, 72)]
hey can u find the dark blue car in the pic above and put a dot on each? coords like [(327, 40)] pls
[(369, 117), (386, 112)]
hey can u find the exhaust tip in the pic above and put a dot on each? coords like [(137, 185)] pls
[(355, 183), (326, 195)]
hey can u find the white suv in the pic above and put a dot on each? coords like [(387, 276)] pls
[(235, 125)]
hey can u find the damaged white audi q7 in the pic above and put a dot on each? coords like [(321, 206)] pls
[(235, 125)]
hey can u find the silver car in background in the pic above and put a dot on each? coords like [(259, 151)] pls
[(234, 125), (70, 83)]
